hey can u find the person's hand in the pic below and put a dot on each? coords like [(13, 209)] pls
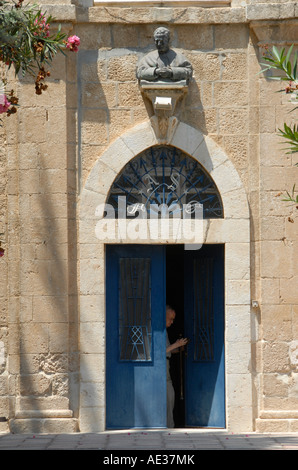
[(164, 72), (181, 342)]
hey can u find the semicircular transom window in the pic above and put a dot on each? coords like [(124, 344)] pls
[(164, 176)]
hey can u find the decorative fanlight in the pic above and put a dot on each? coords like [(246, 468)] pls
[(164, 176)]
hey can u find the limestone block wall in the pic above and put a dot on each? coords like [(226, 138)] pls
[(41, 359), (277, 246), (49, 148)]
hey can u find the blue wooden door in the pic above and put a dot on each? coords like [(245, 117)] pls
[(204, 325), (135, 337)]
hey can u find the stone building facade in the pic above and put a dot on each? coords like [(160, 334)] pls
[(61, 153)]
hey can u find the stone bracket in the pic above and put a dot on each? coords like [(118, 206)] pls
[(271, 31), (164, 97)]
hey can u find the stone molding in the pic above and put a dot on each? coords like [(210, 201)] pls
[(24, 414), (166, 3), (271, 11), (285, 421), (179, 12), (279, 414), (43, 425)]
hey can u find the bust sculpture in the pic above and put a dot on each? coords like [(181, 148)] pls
[(164, 64)]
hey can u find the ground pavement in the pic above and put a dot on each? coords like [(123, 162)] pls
[(171, 441)]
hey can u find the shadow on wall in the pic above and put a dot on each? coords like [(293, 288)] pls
[(48, 278), (109, 101)]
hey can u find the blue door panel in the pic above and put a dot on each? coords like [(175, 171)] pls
[(135, 388), (204, 325)]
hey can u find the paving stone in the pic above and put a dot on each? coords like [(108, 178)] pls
[(160, 440)]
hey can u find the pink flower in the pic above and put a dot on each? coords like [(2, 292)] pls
[(42, 27), (4, 104), (73, 43)]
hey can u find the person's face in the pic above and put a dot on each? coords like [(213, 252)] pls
[(170, 317), (162, 42)]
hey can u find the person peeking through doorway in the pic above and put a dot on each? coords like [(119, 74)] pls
[(171, 348)]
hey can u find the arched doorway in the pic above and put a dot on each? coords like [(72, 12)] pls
[(232, 231), (159, 185)]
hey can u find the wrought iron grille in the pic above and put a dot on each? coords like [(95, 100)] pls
[(164, 176), (135, 309), (203, 321)]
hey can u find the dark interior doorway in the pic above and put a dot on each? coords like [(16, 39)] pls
[(175, 298)]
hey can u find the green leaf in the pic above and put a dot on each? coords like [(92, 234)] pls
[(289, 53), (291, 135), (295, 67), (289, 69), (277, 53), (291, 197), (279, 61)]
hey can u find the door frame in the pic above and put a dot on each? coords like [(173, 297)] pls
[(233, 231), (157, 253)]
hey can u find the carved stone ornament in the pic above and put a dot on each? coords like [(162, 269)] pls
[(163, 77)]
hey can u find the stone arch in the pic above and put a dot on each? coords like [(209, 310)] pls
[(187, 139), (232, 231)]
